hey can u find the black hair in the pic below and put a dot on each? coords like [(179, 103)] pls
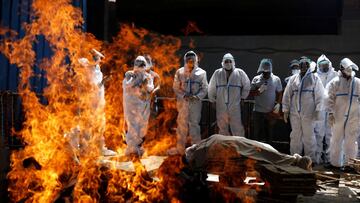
[(190, 54)]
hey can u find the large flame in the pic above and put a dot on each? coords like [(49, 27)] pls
[(68, 108), (131, 41), (49, 163)]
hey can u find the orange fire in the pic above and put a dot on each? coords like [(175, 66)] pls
[(50, 161), (129, 42)]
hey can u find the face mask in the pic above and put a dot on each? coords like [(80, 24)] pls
[(346, 72), (228, 66), (304, 67), (139, 69), (295, 71), (190, 62), (266, 75), (190, 65), (324, 68)]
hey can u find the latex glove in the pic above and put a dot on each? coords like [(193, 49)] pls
[(331, 119), (286, 116), (276, 108), (262, 88), (186, 97), (189, 97), (317, 116), (193, 98), (128, 75)]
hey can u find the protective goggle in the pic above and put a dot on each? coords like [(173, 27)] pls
[(228, 61), (324, 63)]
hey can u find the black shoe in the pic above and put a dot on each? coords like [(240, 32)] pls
[(347, 169), (330, 166)]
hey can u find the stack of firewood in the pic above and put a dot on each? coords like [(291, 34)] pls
[(289, 180)]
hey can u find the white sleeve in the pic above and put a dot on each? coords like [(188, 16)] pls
[(212, 88), (203, 87), (331, 96), (129, 79), (127, 83), (253, 85), (150, 83), (319, 94), (180, 93), (286, 100), (245, 85)]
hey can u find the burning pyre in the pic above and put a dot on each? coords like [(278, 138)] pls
[(51, 164)]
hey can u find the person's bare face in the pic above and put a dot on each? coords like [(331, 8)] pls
[(190, 63)]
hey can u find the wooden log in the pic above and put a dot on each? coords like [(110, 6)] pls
[(289, 180)]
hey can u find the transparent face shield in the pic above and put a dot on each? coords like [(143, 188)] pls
[(324, 66)]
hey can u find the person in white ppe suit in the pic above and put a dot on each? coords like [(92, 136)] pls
[(190, 86), (343, 108), (98, 122), (267, 89), (302, 101), (137, 88), (326, 73), (227, 86)]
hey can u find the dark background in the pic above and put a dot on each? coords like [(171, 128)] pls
[(249, 29), (218, 17)]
